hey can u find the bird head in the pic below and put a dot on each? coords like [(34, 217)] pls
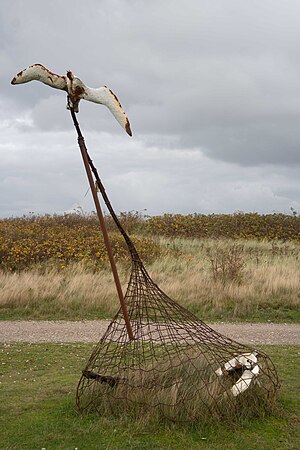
[(75, 90)]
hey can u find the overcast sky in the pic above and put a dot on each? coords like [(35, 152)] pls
[(211, 88)]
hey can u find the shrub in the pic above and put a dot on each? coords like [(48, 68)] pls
[(57, 241), (227, 263)]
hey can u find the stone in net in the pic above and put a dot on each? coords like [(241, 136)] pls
[(176, 365)]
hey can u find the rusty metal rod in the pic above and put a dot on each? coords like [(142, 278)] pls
[(85, 158)]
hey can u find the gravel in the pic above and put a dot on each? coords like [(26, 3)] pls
[(92, 330)]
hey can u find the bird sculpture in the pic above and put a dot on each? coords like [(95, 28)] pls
[(249, 366), (76, 91)]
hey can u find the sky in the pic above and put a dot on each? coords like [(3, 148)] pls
[(211, 88)]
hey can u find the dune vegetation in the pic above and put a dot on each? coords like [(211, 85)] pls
[(56, 267)]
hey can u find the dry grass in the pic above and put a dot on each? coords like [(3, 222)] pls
[(76, 292), (269, 278), (267, 287), (186, 390)]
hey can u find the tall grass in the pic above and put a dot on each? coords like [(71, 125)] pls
[(186, 391), (267, 286), (261, 278), (74, 293)]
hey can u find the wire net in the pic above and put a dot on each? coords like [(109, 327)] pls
[(175, 365)]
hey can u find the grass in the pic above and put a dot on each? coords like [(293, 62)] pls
[(185, 390), (38, 384), (215, 279)]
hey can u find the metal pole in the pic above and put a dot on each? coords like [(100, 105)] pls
[(84, 155)]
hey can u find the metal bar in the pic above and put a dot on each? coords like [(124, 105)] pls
[(84, 155)]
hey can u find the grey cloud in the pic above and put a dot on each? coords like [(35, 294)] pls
[(200, 77), (43, 172)]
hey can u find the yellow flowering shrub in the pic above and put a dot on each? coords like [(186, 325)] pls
[(56, 241), (234, 226)]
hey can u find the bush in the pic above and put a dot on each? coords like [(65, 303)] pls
[(227, 263), (57, 241), (233, 226)]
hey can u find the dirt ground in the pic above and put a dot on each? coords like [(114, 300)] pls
[(92, 330)]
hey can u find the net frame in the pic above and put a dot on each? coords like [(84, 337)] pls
[(162, 356), (175, 364)]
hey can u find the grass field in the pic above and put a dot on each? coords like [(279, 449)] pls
[(215, 279), (219, 267), (38, 385)]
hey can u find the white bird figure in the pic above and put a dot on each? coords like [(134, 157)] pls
[(244, 381), (76, 90), (248, 363)]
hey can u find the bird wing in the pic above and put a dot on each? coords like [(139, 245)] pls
[(40, 73), (242, 383), (76, 89), (106, 97)]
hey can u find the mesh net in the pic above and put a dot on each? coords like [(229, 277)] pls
[(175, 365)]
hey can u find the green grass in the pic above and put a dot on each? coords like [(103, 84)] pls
[(55, 310), (38, 384)]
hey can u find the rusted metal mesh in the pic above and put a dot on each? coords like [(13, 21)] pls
[(176, 364)]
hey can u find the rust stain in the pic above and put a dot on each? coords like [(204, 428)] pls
[(53, 74), (40, 65), (78, 91), (14, 80), (127, 127), (65, 80), (115, 97), (70, 75), (48, 71)]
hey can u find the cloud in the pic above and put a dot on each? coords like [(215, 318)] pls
[(211, 88), (42, 172)]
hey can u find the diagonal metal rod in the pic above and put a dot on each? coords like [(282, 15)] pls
[(86, 159)]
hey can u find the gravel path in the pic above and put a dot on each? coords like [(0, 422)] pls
[(92, 330)]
